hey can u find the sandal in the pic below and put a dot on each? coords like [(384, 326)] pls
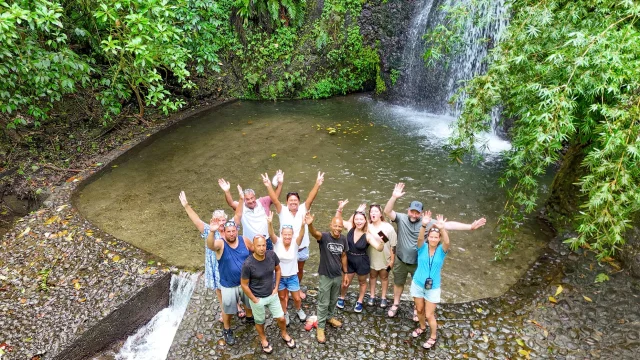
[(291, 344), (267, 349), (417, 332), (393, 310), (430, 343), (415, 315)]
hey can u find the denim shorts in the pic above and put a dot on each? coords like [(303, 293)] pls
[(290, 283), (303, 254), (432, 296)]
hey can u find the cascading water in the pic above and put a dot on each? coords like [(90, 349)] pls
[(152, 341), (430, 88)]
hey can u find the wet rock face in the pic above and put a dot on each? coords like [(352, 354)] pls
[(630, 254), (387, 23)]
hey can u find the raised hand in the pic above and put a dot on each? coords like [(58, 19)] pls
[(240, 191), (308, 218), (440, 220), (224, 185), (320, 178), (362, 208), (213, 224), (265, 179), (426, 217), (478, 223), (183, 199), (270, 217), (342, 203), (398, 191), (280, 176)]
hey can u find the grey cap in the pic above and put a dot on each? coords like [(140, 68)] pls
[(416, 205)]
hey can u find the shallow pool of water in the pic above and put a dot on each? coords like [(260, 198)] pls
[(374, 146)]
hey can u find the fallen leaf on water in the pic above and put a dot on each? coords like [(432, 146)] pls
[(558, 290), (273, 155), (89, 232), (82, 300), (524, 353), (479, 310), (587, 298), (553, 300), (116, 258), (114, 166), (61, 207), (314, 157), (77, 286), (520, 342)]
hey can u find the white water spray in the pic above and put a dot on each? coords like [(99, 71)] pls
[(153, 341)]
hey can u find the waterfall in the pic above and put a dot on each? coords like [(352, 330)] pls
[(153, 340), (430, 88)]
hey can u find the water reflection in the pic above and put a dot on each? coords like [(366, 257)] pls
[(364, 147)]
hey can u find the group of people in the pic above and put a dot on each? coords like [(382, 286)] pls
[(261, 268)]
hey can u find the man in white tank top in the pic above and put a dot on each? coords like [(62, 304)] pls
[(254, 211)]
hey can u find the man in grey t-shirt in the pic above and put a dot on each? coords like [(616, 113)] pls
[(406, 251)]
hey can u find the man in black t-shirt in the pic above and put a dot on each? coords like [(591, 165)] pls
[(332, 270), (257, 282)]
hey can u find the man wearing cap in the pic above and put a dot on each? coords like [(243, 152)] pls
[(231, 252), (406, 258), (255, 211)]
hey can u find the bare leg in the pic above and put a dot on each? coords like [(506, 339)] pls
[(261, 334), (297, 301), (430, 313), (373, 276), (384, 279), (283, 327), (219, 295), (397, 292), (362, 284), (283, 295), (300, 273), (420, 308), (226, 321), (343, 289)]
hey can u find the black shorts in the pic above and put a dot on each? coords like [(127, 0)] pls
[(358, 264)]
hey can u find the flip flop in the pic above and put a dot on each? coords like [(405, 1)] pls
[(291, 344), (430, 343), (267, 349), (393, 310)]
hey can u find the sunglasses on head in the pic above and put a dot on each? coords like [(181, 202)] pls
[(434, 230), (230, 223), (259, 237), (287, 226)]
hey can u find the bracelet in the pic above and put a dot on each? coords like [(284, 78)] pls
[(424, 226)]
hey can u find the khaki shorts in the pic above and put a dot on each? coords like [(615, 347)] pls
[(401, 270)]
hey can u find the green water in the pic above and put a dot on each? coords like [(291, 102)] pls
[(374, 146)]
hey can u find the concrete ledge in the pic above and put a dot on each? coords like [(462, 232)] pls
[(123, 321)]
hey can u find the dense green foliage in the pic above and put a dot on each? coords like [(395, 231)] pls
[(150, 53), (566, 72)]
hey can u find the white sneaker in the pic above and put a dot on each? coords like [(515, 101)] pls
[(301, 315), (286, 318)]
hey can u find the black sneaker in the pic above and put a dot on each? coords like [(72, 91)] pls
[(249, 320), (227, 334)]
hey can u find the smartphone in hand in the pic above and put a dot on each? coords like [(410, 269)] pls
[(383, 236)]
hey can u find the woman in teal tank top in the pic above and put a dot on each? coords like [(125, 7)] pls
[(425, 285)]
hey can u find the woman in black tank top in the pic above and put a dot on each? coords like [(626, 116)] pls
[(358, 239)]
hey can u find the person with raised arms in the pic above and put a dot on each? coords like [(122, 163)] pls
[(425, 285), (406, 252), (293, 214), (231, 251), (332, 270), (381, 261), (287, 251), (359, 240), (255, 211)]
